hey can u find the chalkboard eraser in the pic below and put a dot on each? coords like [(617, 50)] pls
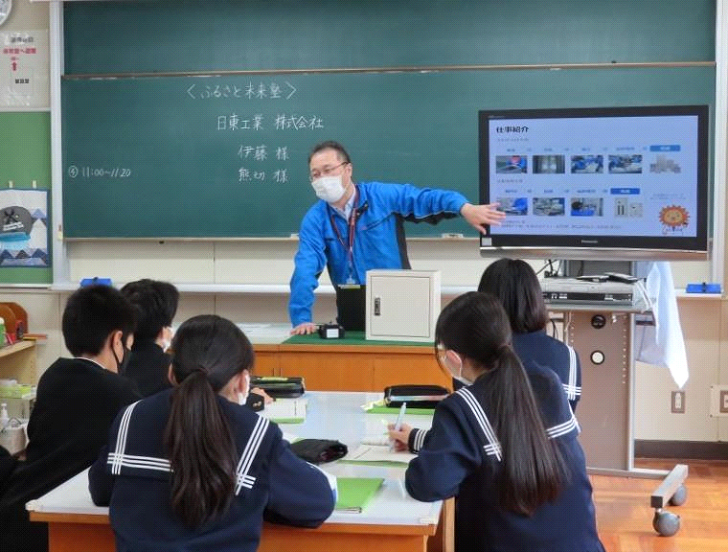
[(294, 235), (703, 287), (95, 281), (452, 235)]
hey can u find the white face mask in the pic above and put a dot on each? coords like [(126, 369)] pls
[(243, 397), (329, 188), (167, 334), (456, 370)]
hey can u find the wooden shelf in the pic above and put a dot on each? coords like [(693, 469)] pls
[(15, 348), (18, 361)]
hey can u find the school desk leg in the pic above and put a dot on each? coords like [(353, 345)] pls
[(444, 539)]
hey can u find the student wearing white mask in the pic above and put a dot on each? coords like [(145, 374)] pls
[(357, 227)]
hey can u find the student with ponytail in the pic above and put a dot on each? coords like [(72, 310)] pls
[(190, 469), (515, 284), (505, 444)]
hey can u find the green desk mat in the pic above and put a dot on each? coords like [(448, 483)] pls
[(392, 410), (354, 493), (352, 338), (380, 464)]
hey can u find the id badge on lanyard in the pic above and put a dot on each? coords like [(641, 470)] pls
[(349, 247)]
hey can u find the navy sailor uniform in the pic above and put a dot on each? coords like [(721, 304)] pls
[(460, 456), (541, 348), (132, 476)]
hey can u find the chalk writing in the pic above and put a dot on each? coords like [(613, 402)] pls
[(252, 91), (235, 122), (98, 172)]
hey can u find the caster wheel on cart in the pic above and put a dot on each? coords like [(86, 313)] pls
[(666, 523), (680, 496)]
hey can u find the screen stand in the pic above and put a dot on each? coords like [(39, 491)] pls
[(603, 337)]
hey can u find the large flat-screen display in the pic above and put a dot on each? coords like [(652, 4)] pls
[(604, 183)]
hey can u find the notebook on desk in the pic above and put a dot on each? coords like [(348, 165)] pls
[(354, 493)]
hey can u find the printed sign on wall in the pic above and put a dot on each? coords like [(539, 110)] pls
[(24, 69), (24, 228)]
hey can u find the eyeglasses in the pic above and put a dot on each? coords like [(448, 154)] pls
[(325, 171)]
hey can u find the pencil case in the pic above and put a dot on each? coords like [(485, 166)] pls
[(416, 396), (280, 387), (319, 451)]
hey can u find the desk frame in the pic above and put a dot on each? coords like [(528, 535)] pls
[(66, 531)]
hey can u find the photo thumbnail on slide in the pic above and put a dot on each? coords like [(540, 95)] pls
[(511, 164), (549, 206), (513, 205), (587, 207), (587, 164), (625, 164), (549, 164)]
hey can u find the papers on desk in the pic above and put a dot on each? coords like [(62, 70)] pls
[(378, 453), (286, 411), (354, 493)]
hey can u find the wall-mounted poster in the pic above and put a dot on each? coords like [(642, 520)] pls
[(24, 69), (24, 228)]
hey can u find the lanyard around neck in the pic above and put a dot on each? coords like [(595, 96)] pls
[(352, 226)]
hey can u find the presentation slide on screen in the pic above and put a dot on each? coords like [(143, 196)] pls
[(600, 176)]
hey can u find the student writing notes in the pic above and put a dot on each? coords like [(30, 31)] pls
[(191, 469), (505, 444)]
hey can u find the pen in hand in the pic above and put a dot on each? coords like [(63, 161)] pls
[(398, 423)]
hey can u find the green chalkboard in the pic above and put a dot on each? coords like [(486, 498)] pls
[(147, 139), (215, 35), (226, 156)]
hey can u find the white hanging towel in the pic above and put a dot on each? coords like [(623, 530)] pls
[(663, 343)]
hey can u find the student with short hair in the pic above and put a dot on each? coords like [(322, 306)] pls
[(191, 469), (505, 445), (155, 304), (516, 285), (76, 401)]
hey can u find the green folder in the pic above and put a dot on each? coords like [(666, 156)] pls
[(354, 493), (393, 410)]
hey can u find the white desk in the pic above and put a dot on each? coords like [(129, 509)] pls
[(392, 521)]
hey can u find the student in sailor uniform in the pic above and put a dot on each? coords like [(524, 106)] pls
[(516, 285), (190, 469), (505, 445)]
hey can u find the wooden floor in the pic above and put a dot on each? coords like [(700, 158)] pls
[(624, 515)]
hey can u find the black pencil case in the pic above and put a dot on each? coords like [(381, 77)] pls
[(279, 387), (319, 451), (416, 396)]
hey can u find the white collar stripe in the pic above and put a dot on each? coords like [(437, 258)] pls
[(121, 437), (139, 461), (562, 429), (251, 449), (572, 390), (480, 416), (493, 447)]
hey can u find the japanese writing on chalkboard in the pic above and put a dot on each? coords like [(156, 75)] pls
[(272, 90)]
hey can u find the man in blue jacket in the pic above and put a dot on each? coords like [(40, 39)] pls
[(358, 227)]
